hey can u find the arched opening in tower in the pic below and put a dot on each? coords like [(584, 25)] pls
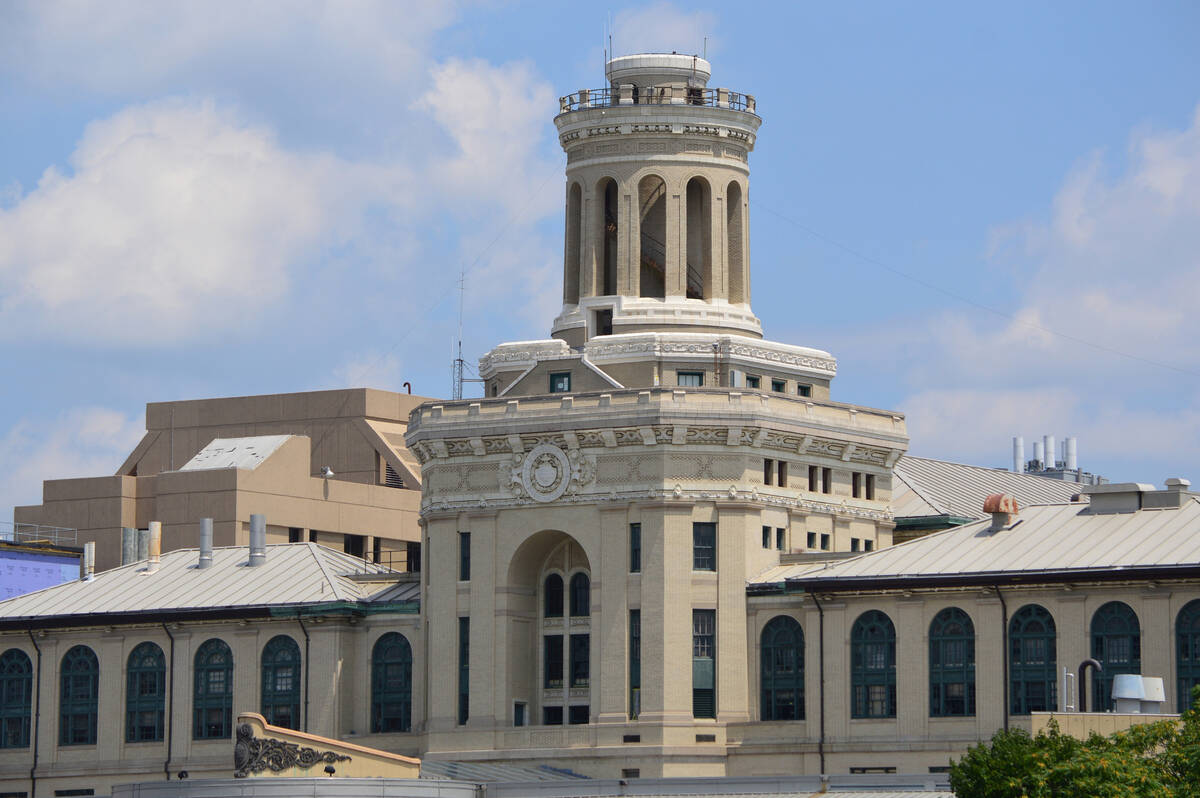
[(735, 240), (652, 206), (571, 260), (608, 247), (699, 239)]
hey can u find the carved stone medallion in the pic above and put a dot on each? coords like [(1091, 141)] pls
[(546, 473)]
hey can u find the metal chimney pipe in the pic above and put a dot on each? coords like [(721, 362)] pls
[(1050, 450), (129, 545), (1037, 455), (87, 562), (1018, 455), (143, 544), (155, 543), (258, 539), (1071, 455), (206, 543)]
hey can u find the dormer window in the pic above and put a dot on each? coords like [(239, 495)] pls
[(560, 382)]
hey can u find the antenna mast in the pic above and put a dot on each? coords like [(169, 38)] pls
[(458, 360)]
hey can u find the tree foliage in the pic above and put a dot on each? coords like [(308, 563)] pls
[(1156, 760)]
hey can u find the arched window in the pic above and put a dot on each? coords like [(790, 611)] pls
[(553, 596), (1187, 653), (78, 695), (16, 698), (782, 670), (1117, 644), (606, 271), (699, 239), (281, 682), (212, 697), (391, 684), (581, 595), (145, 694), (652, 218), (951, 664), (873, 666), (571, 256), (1032, 661)]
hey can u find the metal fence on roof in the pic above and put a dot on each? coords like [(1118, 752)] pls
[(38, 533)]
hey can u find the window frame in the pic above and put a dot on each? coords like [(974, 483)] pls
[(206, 701), (464, 556), (78, 696), (1024, 672), (873, 628), (16, 699), (635, 548), (778, 386), (391, 684), (1111, 613), (580, 595), (1187, 653), (704, 546), (553, 596), (781, 643), (145, 662), (580, 648), (690, 375), (949, 630), (273, 666), (560, 375)]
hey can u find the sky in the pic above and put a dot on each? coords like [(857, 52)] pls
[(989, 213)]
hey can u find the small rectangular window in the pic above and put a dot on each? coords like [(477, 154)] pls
[(827, 480), (855, 484), (578, 715), (552, 716), (781, 474), (552, 661), (768, 471), (766, 537), (811, 541), (519, 710), (778, 386), (779, 538), (704, 547), (689, 379), (804, 390), (868, 545), (632, 773), (560, 382), (824, 541), (853, 544), (752, 381), (464, 556), (631, 738), (814, 479), (635, 548), (296, 535), (871, 486)]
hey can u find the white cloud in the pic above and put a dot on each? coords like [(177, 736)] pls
[(174, 217), (661, 27), (82, 442)]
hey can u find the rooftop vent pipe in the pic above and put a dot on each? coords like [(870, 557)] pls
[(129, 547), (1037, 455), (87, 562), (155, 553), (143, 544), (1018, 455), (206, 543), (1049, 451), (1070, 454), (258, 539), (1003, 509)]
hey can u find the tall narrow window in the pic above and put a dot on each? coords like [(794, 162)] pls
[(571, 259), (827, 480), (635, 548), (870, 486), (873, 666), (607, 283), (464, 556), (391, 684), (699, 239), (581, 595), (635, 663), (1187, 653), (814, 479), (212, 694), (781, 474), (734, 240), (855, 484), (766, 537), (78, 697), (782, 669), (464, 670), (1117, 644), (281, 682), (652, 210), (145, 693), (16, 698), (768, 471), (780, 538), (704, 547), (552, 599), (951, 664), (1032, 661), (580, 660), (552, 661), (704, 658)]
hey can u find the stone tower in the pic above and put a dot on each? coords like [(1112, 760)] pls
[(591, 523)]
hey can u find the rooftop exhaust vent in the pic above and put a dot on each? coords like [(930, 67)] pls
[(1003, 509)]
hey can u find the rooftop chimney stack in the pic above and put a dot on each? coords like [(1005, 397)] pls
[(129, 545), (1018, 455), (1049, 450), (87, 562), (143, 544), (155, 553), (206, 544), (1070, 454), (1003, 509), (258, 539), (1037, 455)]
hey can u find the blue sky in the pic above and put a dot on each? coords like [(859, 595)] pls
[(989, 214)]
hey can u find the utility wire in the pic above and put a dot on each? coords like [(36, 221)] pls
[(967, 300)]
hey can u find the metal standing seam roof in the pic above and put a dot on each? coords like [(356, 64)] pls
[(939, 487), (1058, 538), (293, 574)]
